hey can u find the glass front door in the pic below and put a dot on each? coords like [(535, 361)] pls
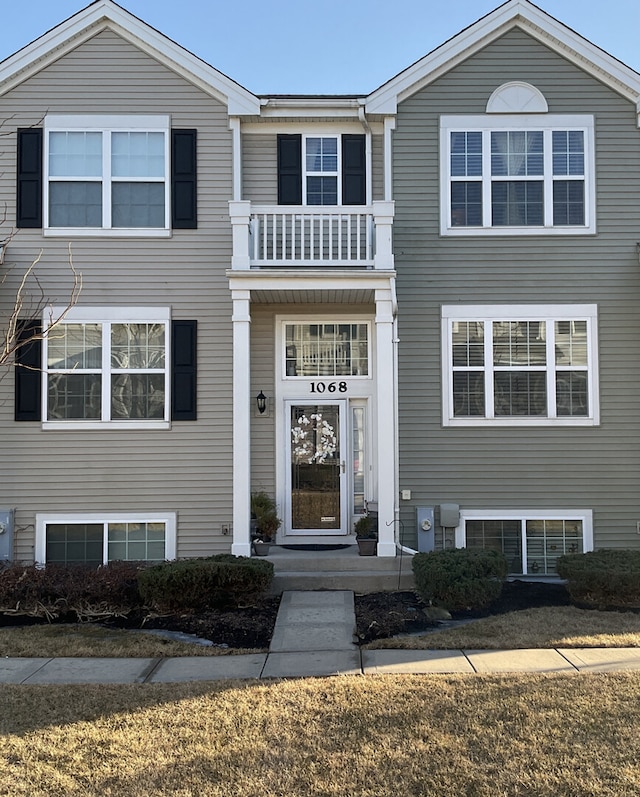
[(317, 470)]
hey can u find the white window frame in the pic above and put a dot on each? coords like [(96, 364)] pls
[(108, 316), (584, 515), (108, 124), (488, 123), (307, 173), (547, 313), (168, 518)]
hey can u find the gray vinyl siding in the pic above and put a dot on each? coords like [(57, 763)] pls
[(187, 469), (260, 167), (594, 468)]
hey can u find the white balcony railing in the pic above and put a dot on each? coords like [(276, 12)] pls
[(277, 236)]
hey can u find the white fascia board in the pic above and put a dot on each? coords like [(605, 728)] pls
[(316, 107), (532, 20), (107, 15), (277, 279)]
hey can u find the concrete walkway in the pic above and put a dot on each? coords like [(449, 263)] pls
[(314, 636)]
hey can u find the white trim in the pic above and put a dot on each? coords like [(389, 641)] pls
[(514, 13), (108, 315), (545, 123), (44, 519), (584, 515), (549, 313)]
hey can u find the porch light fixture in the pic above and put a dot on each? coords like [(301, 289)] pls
[(638, 250), (261, 401)]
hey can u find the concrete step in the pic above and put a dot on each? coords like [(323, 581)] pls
[(343, 569), (360, 581), (284, 559)]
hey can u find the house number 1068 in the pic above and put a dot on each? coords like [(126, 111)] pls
[(332, 387)]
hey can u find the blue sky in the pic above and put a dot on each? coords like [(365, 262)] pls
[(331, 47)]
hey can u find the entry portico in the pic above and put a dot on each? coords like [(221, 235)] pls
[(358, 411)]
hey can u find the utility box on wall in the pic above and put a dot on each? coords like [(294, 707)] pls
[(6, 535), (426, 531)]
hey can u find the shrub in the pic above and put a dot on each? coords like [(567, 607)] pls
[(602, 579), (200, 583), (82, 591), (460, 579)]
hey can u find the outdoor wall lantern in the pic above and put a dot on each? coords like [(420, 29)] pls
[(261, 401)]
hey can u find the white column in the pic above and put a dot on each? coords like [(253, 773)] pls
[(385, 423), (241, 321), (240, 215), (383, 213)]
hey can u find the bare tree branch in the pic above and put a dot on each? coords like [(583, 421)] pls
[(30, 305)]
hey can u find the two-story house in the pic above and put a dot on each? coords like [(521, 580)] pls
[(420, 299)]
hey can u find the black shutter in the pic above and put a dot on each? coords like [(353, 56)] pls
[(29, 178), (289, 170), (184, 207), (184, 370), (28, 373), (354, 181)]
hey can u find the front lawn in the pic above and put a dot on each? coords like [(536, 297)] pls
[(386, 736)]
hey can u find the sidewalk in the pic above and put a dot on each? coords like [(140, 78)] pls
[(314, 636)]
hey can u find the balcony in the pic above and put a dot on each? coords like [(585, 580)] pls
[(324, 237)]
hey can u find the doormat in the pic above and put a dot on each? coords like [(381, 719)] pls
[(315, 547)]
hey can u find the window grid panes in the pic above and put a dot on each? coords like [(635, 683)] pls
[(126, 169), (544, 540), (517, 178), (519, 368), (74, 543), (321, 168), (143, 542), (327, 350), (107, 372)]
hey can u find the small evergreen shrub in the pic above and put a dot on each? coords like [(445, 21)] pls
[(222, 580), (83, 592), (460, 579), (602, 579)]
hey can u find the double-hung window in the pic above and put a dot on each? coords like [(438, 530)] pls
[(321, 170), (519, 365), (520, 174), (108, 366), (107, 173)]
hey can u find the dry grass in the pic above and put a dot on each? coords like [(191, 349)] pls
[(388, 736), (549, 627), (91, 640)]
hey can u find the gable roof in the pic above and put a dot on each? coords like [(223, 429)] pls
[(514, 13), (107, 15)]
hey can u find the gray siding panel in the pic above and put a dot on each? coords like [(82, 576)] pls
[(483, 468), (186, 469)]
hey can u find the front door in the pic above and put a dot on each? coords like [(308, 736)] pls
[(316, 472)]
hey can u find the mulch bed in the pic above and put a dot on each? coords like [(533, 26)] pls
[(386, 614), (378, 615)]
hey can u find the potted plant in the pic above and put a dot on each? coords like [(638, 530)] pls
[(366, 531), (264, 522)]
